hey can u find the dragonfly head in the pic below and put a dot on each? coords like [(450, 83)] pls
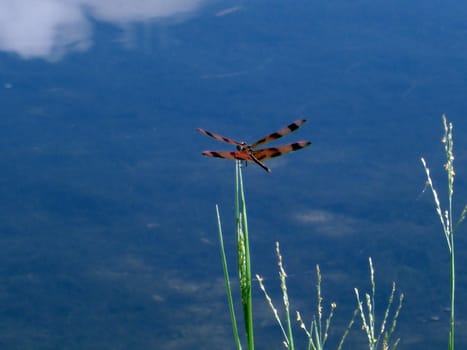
[(242, 146)]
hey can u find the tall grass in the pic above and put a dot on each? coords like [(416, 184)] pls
[(378, 338), (318, 330), (317, 333), (243, 263), (287, 330), (227, 283), (446, 217)]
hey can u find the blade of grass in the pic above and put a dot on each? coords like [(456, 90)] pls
[(243, 255), (227, 283)]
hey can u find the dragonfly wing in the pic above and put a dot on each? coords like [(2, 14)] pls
[(282, 132), (229, 155), (273, 152), (218, 137), (237, 155)]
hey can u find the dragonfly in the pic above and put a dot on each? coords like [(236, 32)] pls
[(249, 153)]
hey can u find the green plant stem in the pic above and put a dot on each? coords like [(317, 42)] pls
[(243, 251), (453, 293), (368, 316), (285, 298), (450, 170), (227, 283), (445, 217)]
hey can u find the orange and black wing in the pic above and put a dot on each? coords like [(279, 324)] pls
[(218, 137), (282, 132), (272, 152), (229, 155)]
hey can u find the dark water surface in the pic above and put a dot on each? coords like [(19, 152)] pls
[(107, 224)]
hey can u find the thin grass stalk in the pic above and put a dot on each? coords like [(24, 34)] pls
[(320, 337), (446, 220), (371, 304), (317, 334), (364, 321), (286, 331), (285, 298), (448, 147), (347, 330), (308, 333), (386, 313), (243, 255), (453, 295), (317, 342), (227, 283), (273, 308), (328, 323), (388, 334), (319, 327), (368, 317)]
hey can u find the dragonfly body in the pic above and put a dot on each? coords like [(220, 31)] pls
[(249, 153)]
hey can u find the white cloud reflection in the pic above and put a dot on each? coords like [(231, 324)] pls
[(50, 28), (330, 224)]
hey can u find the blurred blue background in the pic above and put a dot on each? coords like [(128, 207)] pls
[(107, 224)]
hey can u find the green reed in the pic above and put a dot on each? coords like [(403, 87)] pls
[(318, 330), (445, 216), (227, 283), (243, 263)]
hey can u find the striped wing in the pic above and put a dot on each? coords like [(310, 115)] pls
[(229, 155), (240, 155), (218, 137), (273, 152), (282, 132)]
